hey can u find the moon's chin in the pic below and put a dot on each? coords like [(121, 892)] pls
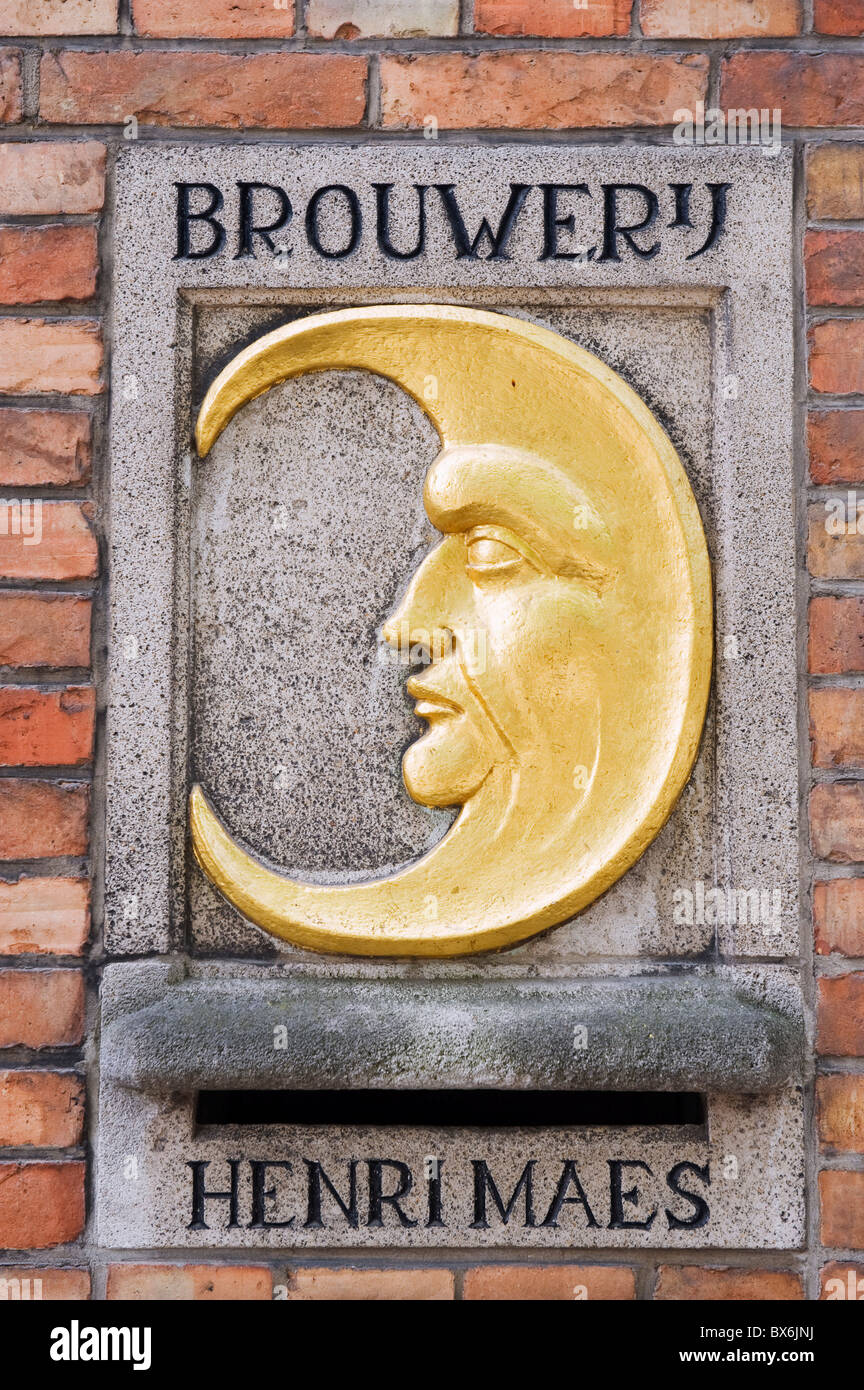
[(444, 767)]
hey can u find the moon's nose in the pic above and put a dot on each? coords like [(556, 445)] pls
[(423, 610)]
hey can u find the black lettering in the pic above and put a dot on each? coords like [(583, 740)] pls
[(618, 1198), (249, 229), (611, 229), (484, 1183), (569, 1178), (185, 216), (200, 1194), (354, 213), (466, 249), (552, 223), (435, 1206), (317, 1176), (682, 193), (382, 224), (377, 1197), (260, 1194), (718, 217), (701, 1210)]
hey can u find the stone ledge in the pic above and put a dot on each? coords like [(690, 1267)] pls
[(643, 1033)]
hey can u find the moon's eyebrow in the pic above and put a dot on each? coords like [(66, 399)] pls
[(493, 485)]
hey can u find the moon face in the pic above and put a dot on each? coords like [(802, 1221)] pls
[(561, 627)]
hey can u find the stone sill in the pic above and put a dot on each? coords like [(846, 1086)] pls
[(642, 1033)]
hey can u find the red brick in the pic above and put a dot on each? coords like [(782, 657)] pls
[(840, 1112), (837, 356), (265, 91), (837, 727), (370, 1285), (44, 630), (50, 355), (837, 821), (835, 439), (842, 1280), (838, 17), (552, 18), (43, 819), (47, 263), (835, 181), (842, 1209), (51, 177), (58, 17), (41, 1109), (838, 916), (836, 635), (811, 89), (41, 1008), (835, 546), (692, 1282), (26, 1284), (212, 19), (11, 91), (201, 1283), (44, 916), (835, 267), (719, 19), (548, 1283), (47, 540), (539, 91), (39, 448), (41, 1204), (46, 728), (840, 1031), (355, 19)]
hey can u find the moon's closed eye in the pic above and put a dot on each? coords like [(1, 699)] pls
[(493, 550)]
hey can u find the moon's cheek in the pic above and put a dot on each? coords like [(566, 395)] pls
[(447, 765)]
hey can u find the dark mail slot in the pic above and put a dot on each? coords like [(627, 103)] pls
[(440, 1109)]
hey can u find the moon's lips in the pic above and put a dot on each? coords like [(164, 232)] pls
[(572, 586)]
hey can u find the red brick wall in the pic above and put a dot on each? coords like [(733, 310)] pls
[(72, 74)]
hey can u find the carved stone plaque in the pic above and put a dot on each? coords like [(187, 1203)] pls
[(456, 751)]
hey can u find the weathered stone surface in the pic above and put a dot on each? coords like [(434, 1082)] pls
[(291, 454), (643, 1033), (762, 1207), (304, 523)]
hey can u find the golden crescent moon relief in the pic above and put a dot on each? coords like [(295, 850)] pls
[(566, 615)]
